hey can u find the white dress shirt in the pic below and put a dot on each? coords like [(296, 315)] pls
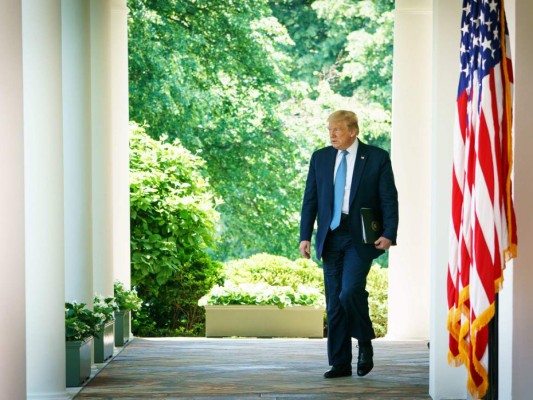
[(350, 163)]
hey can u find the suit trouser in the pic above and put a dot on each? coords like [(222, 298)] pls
[(345, 275)]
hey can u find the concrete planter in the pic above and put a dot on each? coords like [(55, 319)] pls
[(122, 327), (104, 344), (78, 362), (264, 321)]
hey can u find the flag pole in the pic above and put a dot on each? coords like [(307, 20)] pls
[(492, 392), (510, 252)]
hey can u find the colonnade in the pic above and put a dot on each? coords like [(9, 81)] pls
[(66, 177)]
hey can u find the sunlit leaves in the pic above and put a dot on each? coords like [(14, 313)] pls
[(347, 43), (172, 208)]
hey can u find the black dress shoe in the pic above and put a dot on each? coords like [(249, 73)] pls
[(365, 362), (338, 372)]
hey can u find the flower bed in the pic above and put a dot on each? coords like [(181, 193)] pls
[(263, 294), (262, 310)]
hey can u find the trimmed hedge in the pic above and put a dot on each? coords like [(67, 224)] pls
[(274, 271)]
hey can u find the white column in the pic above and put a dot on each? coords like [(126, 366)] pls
[(445, 381), (120, 128), (43, 136), (516, 310), (12, 295), (77, 145), (102, 146), (411, 132)]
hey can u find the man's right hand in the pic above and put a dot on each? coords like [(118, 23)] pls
[(305, 248)]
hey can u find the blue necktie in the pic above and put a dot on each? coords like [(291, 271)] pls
[(338, 198)]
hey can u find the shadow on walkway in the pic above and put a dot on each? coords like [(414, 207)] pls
[(243, 369)]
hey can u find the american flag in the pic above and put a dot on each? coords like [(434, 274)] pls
[(483, 225)]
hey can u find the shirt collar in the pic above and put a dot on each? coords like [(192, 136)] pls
[(352, 150)]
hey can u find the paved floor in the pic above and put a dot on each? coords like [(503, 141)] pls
[(245, 369)]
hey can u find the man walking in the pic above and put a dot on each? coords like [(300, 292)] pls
[(342, 179)]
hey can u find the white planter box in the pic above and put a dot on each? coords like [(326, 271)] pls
[(264, 321)]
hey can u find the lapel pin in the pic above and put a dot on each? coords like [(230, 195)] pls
[(362, 157)]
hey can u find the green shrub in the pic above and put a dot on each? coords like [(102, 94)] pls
[(80, 322), (173, 220), (174, 310), (265, 279), (274, 271), (172, 209), (377, 286)]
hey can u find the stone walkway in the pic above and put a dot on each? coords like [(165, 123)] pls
[(245, 369)]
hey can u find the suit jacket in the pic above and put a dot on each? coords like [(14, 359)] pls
[(372, 186)]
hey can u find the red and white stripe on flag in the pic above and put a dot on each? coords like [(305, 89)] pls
[(483, 225)]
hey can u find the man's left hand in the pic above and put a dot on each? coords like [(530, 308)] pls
[(383, 243)]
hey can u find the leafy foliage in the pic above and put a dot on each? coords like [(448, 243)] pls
[(124, 299), (265, 279), (80, 322), (212, 74), (274, 271), (345, 43), (172, 210), (189, 58), (174, 311), (172, 225), (104, 308), (263, 294), (378, 300)]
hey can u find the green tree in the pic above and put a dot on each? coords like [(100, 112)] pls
[(346, 43), (211, 74), (190, 59)]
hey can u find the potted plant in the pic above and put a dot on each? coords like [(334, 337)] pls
[(263, 310), (81, 324), (127, 301), (104, 341)]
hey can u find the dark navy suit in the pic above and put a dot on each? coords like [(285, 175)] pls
[(346, 260)]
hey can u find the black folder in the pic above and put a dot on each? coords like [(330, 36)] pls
[(372, 225)]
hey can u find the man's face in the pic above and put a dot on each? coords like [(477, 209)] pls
[(340, 136)]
